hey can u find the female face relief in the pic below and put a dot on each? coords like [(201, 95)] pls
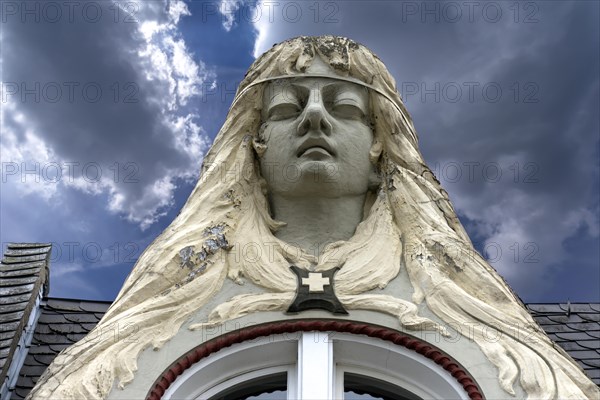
[(317, 136)]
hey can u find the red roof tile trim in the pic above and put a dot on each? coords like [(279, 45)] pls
[(242, 335)]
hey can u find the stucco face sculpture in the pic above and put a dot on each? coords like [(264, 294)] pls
[(314, 151), (242, 227), (317, 138)]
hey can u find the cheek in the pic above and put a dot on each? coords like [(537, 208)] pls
[(276, 133), (358, 141), (278, 142)]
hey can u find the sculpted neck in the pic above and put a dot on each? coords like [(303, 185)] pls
[(315, 222)]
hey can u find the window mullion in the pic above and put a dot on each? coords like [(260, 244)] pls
[(315, 366)]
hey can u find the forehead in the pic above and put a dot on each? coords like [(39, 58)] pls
[(301, 87)]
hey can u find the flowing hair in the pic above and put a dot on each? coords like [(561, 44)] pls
[(225, 232)]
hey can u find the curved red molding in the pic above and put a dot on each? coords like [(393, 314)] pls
[(273, 328)]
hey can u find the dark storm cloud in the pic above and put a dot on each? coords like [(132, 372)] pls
[(94, 86)]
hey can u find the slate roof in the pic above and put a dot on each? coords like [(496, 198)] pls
[(23, 272), (61, 323), (575, 328)]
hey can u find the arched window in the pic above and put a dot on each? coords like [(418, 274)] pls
[(316, 365)]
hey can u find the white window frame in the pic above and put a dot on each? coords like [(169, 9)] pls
[(291, 381), (362, 355), (304, 356)]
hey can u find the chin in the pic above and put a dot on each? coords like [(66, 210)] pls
[(317, 171)]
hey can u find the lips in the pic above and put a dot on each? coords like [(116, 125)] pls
[(315, 143)]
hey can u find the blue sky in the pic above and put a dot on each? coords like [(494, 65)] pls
[(108, 108)]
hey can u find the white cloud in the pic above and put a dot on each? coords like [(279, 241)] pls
[(166, 59), (262, 27), (132, 153), (29, 164), (158, 196), (228, 8)]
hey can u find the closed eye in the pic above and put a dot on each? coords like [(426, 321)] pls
[(284, 111), (348, 111)]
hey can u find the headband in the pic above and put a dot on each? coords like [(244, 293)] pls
[(339, 78)]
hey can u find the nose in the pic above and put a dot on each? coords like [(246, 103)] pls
[(314, 117)]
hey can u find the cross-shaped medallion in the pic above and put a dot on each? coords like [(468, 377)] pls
[(315, 290), (315, 282)]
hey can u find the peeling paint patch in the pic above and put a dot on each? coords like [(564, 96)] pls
[(186, 254), (214, 230), (230, 195), (198, 261), (218, 239), (197, 271)]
